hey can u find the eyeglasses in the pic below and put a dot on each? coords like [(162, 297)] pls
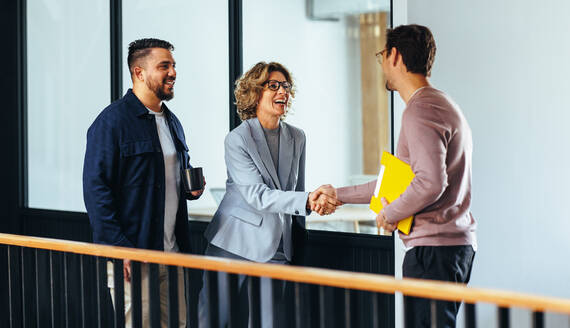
[(274, 85), (380, 55)]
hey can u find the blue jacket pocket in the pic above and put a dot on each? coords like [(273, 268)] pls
[(137, 148), (140, 165)]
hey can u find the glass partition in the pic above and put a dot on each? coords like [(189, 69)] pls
[(341, 102), (68, 67), (329, 46)]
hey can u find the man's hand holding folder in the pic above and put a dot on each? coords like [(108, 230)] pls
[(393, 179), (381, 220)]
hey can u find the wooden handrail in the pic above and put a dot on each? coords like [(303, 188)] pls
[(360, 281)]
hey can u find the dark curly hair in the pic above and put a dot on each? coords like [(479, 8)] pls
[(139, 49), (416, 44), (249, 87)]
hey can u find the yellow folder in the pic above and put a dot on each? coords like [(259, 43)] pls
[(394, 177)]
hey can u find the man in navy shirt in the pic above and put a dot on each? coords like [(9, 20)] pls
[(136, 150)]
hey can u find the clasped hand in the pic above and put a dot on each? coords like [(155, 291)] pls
[(323, 200), (381, 220)]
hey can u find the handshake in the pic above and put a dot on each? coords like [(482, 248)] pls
[(323, 200)]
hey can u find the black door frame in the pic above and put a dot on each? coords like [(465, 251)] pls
[(13, 131)]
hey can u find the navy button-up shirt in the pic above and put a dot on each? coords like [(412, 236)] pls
[(123, 177)]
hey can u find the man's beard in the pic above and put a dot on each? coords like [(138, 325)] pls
[(158, 89)]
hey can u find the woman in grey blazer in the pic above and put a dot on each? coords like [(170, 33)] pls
[(265, 189)]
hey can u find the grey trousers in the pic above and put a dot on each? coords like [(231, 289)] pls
[(267, 314)]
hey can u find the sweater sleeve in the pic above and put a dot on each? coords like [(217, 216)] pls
[(426, 140), (358, 194)]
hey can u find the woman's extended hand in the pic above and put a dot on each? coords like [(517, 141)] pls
[(323, 200)]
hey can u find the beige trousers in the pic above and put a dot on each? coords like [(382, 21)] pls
[(163, 284)]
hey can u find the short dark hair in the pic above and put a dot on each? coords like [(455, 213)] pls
[(141, 48), (416, 45)]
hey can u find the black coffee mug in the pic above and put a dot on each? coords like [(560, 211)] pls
[(193, 179)]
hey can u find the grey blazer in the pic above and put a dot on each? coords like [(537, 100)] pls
[(259, 203)]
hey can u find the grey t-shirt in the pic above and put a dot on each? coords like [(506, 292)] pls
[(272, 138), (171, 179)]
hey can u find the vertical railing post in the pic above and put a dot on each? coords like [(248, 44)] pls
[(374, 306), (322, 307), (23, 282), (297, 305), (82, 288), (37, 280), (212, 284), (154, 294), (276, 286), (537, 319), (173, 312), (234, 301), (405, 311), (100, 269), (187, 291), (119, 282), (504, 320), (433, 313), (306, 304), (347, 308), (66, 290), (136, 294), (470, 320), (254, 295), (51, 289), (14, 287)]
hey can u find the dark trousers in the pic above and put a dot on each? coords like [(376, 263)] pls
[(445, 263), (283, 297)]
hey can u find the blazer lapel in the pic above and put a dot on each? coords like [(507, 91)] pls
[(263, 150), (286, 154)]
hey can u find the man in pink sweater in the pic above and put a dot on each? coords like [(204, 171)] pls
[(435, 140)]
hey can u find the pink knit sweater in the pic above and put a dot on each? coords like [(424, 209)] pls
[(435, 140)]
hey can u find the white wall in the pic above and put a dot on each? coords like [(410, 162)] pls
[(505, 63)]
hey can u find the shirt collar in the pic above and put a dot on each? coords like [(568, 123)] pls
[(138, 107), (414, 93)]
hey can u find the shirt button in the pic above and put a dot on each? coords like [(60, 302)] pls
[(296, 212)]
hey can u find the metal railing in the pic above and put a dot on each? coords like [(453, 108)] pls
[(24, 274)]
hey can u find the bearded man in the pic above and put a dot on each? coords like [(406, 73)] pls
[(136, 150)]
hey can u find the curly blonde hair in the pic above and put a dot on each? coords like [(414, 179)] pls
[(249, 87)]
